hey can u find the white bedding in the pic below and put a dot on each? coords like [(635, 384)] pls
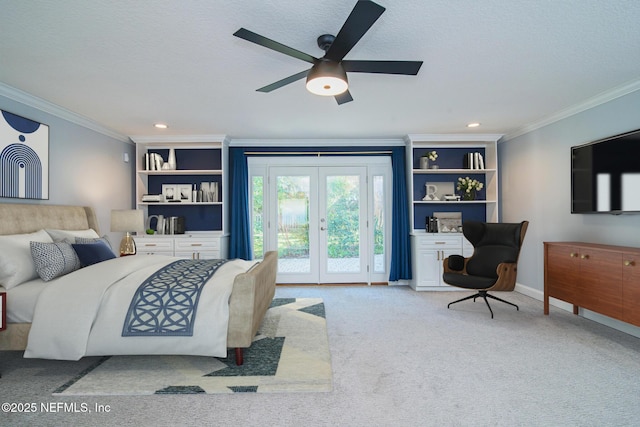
[(21, 300), (83, 313)]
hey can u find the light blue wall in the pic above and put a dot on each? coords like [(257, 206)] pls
[(85, 167), (535, 179)]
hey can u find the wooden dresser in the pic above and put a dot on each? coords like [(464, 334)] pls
[(601, 278)]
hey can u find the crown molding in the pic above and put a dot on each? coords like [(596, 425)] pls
[(176, 139), (60, 112), (298, 142), (454, 137), (595, 101)]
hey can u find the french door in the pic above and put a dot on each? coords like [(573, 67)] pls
[(325, 221)]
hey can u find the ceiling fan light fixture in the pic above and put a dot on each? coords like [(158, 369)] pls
[(327, 78)]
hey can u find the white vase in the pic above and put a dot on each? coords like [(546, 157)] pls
[(172, 159), (424, 162)]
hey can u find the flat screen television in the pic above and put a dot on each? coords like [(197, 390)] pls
[(605, 175)]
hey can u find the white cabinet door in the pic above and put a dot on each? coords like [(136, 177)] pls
[(429, 251), (427, 269), (197, 254)]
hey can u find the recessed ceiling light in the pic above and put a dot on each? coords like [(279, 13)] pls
[(473, 125), (160, 126)]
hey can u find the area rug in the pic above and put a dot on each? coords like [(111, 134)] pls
[(289, 354)]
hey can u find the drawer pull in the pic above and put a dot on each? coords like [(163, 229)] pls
[(629, 263), (584, 256), (440, 243), (573, 255), (196, 244), (150, 244)]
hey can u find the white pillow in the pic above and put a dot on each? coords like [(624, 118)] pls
[(16, 262), (70, 235)]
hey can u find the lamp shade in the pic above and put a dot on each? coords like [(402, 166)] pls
[(127, 220), (327, 78)]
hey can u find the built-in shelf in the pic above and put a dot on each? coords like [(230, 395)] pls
[(197, 162), (451, 164)]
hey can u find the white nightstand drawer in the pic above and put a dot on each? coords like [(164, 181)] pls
[(197, 244), (154, 245), (436, 241)]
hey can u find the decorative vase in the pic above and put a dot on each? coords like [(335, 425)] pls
[(172, 159), (424, 162), (471, 195)]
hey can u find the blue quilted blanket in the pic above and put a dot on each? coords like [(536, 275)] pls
[(166, 303)]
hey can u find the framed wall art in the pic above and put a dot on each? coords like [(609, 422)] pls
[(24, 157)]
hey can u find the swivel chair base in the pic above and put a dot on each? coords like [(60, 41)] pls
[(484, 295)]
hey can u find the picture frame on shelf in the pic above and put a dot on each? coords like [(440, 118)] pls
[(169, 193), (184, 192), (449, 222)]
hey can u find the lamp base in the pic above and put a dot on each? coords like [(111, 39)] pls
[(127, 245)]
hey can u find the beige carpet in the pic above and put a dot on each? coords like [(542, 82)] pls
[(289, 354)]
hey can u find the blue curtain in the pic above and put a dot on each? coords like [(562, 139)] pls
[(400, 244), (240, 224)]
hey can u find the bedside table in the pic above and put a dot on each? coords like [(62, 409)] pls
[(3, 313)]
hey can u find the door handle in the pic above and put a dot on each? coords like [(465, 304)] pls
[(323, 228)]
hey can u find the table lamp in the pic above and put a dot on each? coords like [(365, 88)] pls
[(128, 220)]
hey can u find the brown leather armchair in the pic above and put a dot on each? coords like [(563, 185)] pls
[(493, 265)]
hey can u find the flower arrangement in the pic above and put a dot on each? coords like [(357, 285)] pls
[(431, 155), (469, 187)]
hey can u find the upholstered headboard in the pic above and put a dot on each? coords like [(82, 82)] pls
[(22, 218)]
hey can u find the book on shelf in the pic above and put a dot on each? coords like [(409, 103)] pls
[(152, 198), (474, 161), (431, 225), (153, 162)]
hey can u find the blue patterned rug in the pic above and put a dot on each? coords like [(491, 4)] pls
[(289, 354)]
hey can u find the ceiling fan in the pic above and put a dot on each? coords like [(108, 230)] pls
[(328, 75)]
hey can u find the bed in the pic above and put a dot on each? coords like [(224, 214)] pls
[(44, 311)]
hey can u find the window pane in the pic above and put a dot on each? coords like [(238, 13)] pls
[(257, 217), (293, 224), (343, 224), (378, 224)]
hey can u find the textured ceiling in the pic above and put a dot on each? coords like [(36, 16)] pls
[(504, 63)]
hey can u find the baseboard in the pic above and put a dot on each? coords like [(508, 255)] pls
[(587, 314)]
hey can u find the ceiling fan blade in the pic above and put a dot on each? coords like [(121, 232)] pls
[(243, 33), (283, 82), (383, 67), (362, 17), (344, 97)]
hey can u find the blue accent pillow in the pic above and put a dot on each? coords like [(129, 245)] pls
[(93, 253), (104, 239)]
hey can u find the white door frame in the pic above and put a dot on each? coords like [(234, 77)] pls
[(376, 166)]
